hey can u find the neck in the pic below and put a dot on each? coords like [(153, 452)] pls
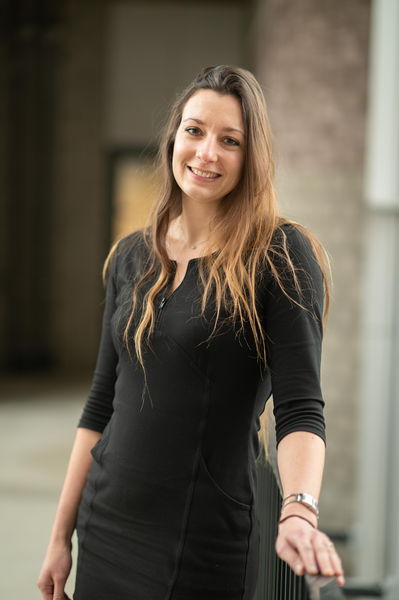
[(194, 222)]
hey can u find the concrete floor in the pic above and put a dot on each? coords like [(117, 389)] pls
[(38, 419)]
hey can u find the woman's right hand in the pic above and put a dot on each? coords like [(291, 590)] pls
[(58, 560), (54, 572)]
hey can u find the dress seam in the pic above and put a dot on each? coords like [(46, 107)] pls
[(193, 484), (87, 521), (252, 506), (183, 537), (244, 591)]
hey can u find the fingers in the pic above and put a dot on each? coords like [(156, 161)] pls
[(307, 554), (288, 553), (46, 590), (328, 561), (334, 562), (59, 593), (54, 591), (302, 546)]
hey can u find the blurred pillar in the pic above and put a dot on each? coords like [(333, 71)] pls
[(377, 551), (312, 60), (29, 44)]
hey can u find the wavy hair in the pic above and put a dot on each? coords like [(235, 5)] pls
[(242, 229)]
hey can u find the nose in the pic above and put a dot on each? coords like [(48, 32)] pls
[(207, 150)]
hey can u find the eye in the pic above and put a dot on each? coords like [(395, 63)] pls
[(192, 130), (231, 141)]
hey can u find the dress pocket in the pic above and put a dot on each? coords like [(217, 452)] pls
[(99, 446), (97, 449), (221, 491), (214, 562)]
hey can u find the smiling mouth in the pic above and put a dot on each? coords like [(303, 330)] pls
[(207, 174)]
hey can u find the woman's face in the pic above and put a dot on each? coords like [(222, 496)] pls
[(208, 153)]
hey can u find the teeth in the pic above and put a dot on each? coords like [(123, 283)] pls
[(204, 173)]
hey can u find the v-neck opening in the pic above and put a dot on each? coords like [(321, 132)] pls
[(189, 262), (169, 294)]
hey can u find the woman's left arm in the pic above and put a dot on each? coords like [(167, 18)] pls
[(300, 457), (294, 332)]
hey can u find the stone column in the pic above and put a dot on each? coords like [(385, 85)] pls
[(312, 61)]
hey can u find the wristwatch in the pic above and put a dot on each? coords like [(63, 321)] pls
[(306, 499)]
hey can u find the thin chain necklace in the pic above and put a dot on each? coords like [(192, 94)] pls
[(192, 246)]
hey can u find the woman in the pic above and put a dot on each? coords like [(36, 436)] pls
[(213, 306)]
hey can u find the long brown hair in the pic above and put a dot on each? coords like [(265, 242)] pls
[(242, 229)]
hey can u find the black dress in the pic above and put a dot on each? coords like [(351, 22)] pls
[(168, 511)]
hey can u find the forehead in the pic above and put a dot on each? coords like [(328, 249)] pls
[(214, 108)]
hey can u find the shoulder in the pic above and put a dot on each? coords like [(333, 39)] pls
[(293, 236), (134, 242), (293, 242), (129, 253), (133, 247), (295, 261)]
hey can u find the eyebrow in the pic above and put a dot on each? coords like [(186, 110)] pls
[(202, 123)]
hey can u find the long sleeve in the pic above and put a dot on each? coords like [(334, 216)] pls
[(294, 340), (98, 408)]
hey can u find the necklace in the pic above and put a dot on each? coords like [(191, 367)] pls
[(192, 246)]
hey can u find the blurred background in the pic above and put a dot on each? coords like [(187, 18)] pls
[(85, 86)]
